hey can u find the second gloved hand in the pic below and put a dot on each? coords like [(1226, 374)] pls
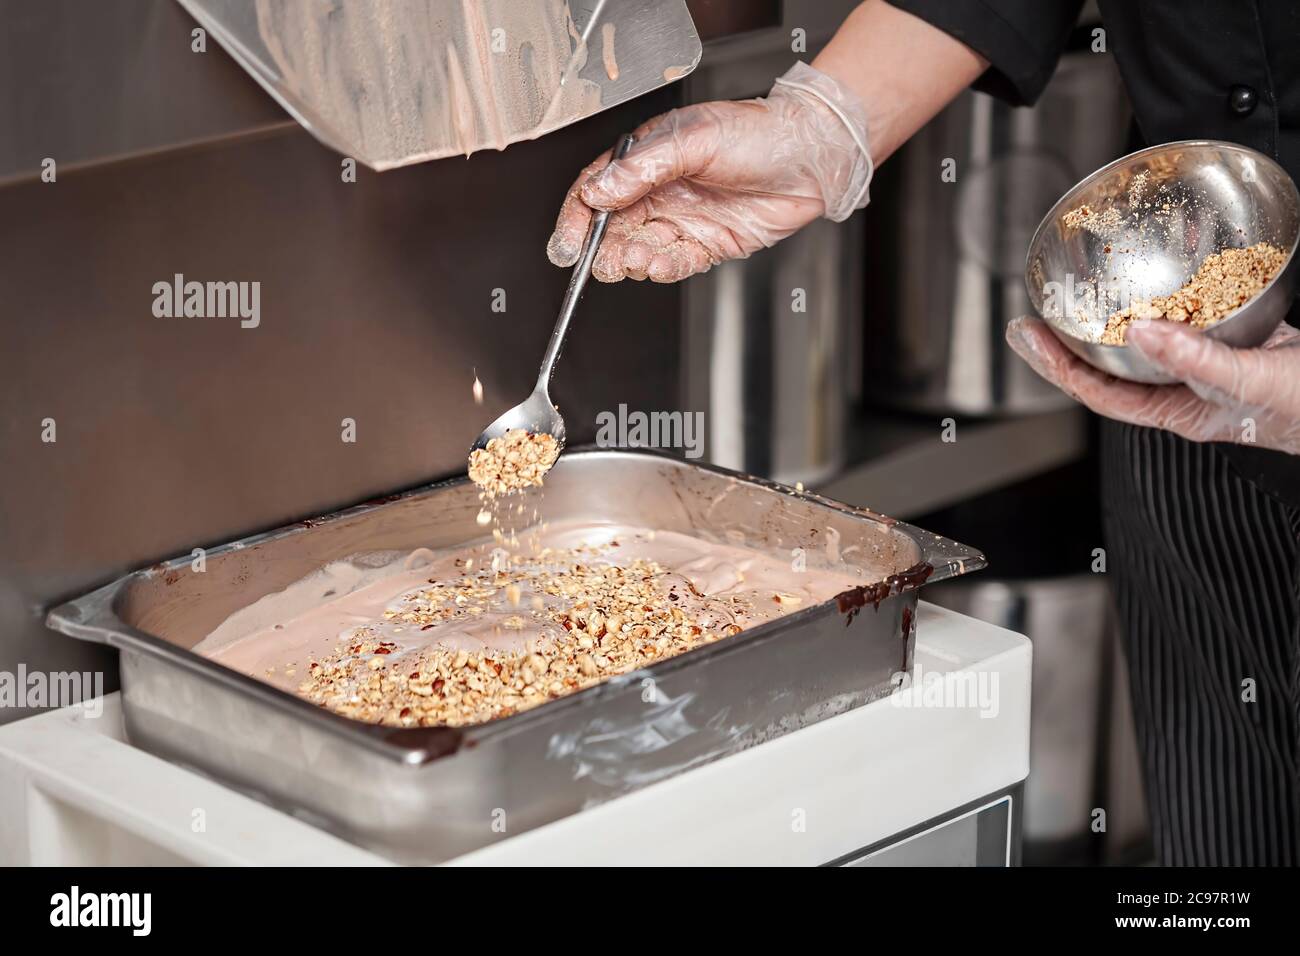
[(1246, 396), (722, 180)]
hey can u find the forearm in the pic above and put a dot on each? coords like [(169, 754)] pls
[(903, 69)]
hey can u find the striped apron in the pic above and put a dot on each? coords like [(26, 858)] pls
[(1206, 569)]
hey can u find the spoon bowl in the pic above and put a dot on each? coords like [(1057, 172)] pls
[(535, 414)]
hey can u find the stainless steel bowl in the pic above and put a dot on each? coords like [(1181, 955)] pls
[(1166, 209)]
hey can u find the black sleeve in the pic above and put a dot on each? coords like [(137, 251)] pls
[(1021, 39)]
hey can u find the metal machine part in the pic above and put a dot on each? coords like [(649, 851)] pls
[(770, 351), (772, 343), (986, 832), (122, 80), (951, 217), (413, 80), (428, 794)]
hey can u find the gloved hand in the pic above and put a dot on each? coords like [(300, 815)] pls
[(1246, 396), (721, 180)]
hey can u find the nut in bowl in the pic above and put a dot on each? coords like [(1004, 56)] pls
[(1202, 232)]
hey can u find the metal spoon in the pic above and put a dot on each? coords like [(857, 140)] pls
[(538, 413)]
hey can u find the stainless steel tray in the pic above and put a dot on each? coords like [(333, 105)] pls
[(429, 794)]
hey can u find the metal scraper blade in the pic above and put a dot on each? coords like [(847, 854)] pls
[(405, 81)]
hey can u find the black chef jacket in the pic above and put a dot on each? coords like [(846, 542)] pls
[(1194, 69)]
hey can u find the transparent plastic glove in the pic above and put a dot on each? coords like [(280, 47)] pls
[(1246, 396), (721, 180)]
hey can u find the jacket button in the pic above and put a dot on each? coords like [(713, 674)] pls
[(1242, 100)]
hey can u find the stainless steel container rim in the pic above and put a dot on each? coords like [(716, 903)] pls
[(1069, 197), (93, 617)]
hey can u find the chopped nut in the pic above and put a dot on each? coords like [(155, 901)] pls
[(599, 620), (1224, 282), (516, 460)]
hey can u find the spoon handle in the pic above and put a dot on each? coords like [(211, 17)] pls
[(578, 280)]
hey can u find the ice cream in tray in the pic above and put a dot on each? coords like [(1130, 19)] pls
[(396, 670), (483, 631)]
